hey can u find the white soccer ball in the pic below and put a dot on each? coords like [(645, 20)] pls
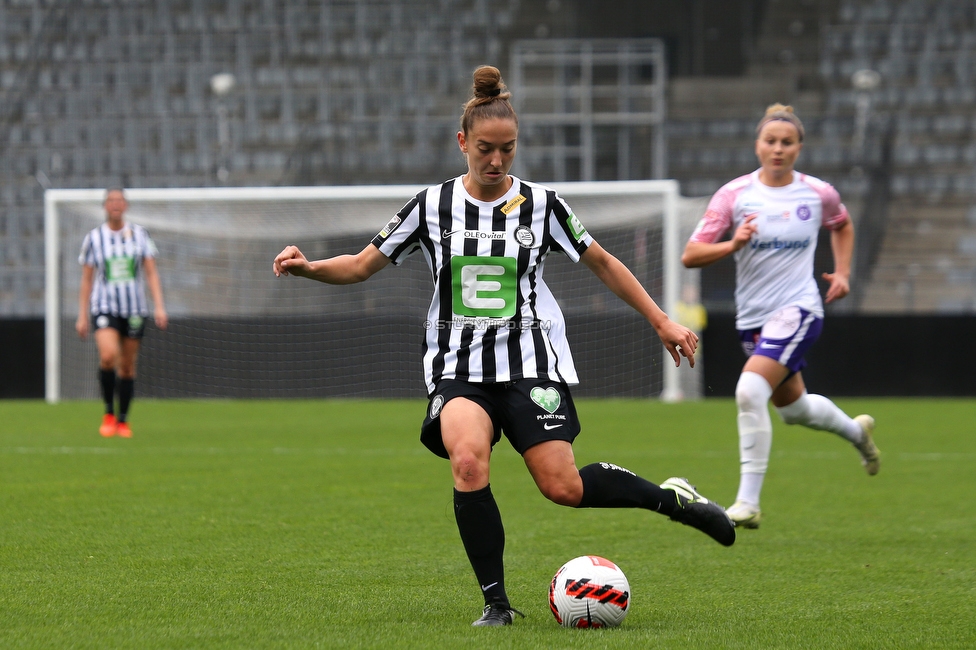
[(589, 591)]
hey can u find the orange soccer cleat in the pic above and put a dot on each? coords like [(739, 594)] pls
[(123, 430), (109, 425)]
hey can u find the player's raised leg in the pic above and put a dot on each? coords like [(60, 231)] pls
[(606, 485), (797, 406)]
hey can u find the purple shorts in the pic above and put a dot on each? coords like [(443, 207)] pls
[(785, 337)]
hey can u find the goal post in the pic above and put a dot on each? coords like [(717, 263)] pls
[(237, 331)]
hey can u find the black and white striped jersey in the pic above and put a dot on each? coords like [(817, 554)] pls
[(492, 318), (116, 257)]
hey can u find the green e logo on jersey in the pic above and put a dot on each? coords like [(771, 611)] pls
[(484, 287), (575, 227), (120, 269)]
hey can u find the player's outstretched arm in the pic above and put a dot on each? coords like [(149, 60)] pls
[(679, 340), (341, 269)]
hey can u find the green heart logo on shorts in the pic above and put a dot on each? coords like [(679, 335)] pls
[(547, 398)]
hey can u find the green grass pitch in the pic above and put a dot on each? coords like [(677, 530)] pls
[(321, 524)]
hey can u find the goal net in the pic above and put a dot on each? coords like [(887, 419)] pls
[(237, 331)]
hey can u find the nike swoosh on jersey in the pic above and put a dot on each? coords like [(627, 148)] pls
[(447, 234), (550, 427)]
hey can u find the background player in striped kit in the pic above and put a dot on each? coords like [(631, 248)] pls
[(775, 214), (496, 357), (114, 258)]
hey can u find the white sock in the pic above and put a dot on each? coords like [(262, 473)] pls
[(750, 485), (752, 395), (818, 412)]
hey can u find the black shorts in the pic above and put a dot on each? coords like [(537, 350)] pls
[(528, 411), (131, 327)]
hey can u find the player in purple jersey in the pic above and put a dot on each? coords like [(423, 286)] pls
[(114, 257), (774, 215), (485, 236)]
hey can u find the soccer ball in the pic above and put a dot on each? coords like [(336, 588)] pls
[(589, 591)]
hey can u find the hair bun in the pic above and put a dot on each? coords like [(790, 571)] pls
[(487, 81), (489, 99), (778, 108)]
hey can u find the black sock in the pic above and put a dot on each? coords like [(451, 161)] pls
[(127, 388), (608, 486), (483, 536), (107, 379)]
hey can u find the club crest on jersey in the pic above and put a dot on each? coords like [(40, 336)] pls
[(575, 227), (525, 237), (390, 227), (514, 203), (803, 212), (436, 405)]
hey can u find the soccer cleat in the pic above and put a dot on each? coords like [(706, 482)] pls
[(698, 512), (108, 428), (497, 614), (123, 430), (870, 455), (744, 515)]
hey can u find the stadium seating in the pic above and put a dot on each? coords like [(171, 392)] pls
[(327, 92), (347, 91), (925, 51)]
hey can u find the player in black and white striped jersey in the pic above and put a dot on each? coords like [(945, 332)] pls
[(496, 358), (505, 325), (115, 257)]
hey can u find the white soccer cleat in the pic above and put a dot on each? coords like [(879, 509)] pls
[(744, 515), (870, 455)]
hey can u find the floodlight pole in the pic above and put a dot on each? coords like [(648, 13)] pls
[(221, 85), (864, 82)]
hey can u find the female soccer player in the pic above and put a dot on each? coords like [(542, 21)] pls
[(114, 258), (496, 357), (775, 214)]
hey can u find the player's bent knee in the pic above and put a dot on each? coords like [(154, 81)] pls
[(796, 413), (564, 497), (563, 493), (789, 417)]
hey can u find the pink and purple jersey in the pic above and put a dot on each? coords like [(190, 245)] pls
[(775, 269)]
